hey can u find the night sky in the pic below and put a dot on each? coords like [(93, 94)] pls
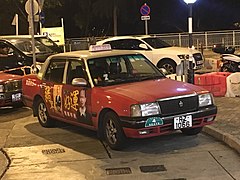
[(171, 15), (167, 16)]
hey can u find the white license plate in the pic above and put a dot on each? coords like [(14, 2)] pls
[(182, 122), (199, 62), (16, 97)]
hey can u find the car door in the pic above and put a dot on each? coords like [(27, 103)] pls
[(76, 99), (52, 85)]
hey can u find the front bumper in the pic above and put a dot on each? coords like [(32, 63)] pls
[(134, 128), (10, 98)]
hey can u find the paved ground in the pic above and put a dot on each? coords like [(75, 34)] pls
[(226, 126)]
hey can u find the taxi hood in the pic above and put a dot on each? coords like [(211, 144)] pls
[(151, 90)]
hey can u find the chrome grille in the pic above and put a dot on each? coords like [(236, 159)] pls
[(15, 85), (173, 106)]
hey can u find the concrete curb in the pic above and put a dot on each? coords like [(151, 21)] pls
[(230, 140), (4, 162)]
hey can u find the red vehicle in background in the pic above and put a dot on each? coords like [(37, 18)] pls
[(118, 93), (11, 86)]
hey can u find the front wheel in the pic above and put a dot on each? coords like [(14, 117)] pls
[(191, 131), (43, 116), (112, 131), (168, 65)]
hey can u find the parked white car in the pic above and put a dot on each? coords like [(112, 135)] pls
[(159, 52)]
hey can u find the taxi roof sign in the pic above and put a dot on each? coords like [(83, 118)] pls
[(104, 47)]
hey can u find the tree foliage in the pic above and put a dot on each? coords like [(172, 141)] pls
[(81, 17), (95, 17)]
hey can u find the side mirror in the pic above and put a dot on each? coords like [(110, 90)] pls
[(143, 46), (79, 82)]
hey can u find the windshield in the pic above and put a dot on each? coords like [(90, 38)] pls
[(156, 43), (122, 69), (42, 45)]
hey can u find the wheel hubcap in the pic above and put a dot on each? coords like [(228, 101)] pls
[(169, 68), (111, 132), (42, 112)]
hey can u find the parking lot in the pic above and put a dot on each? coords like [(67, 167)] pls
[(74, 153)]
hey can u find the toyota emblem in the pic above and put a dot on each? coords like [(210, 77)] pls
[(180, 103)]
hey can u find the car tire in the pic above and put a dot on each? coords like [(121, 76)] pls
[(43, 116), (191, 131), (168, 65), (112, 131)]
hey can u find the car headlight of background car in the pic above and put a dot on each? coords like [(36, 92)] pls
[(1, 88), (142, 110), (205, 99)]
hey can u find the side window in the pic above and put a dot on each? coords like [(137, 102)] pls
[(125, 44), (75, 70), (133, 44), (5, 50), (115, 44), (55, 71), (8, 59)]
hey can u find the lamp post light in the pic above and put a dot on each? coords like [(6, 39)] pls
[(190, 27)]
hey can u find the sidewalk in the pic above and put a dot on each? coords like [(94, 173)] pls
[(226, 127), (227, 124)]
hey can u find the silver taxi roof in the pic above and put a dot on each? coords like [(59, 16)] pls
[(86, 54)]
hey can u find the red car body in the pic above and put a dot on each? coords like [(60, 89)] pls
[(11, 89), (177, 100)]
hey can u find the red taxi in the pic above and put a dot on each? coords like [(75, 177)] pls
[(118, 93)]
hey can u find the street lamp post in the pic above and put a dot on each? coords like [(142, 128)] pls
[(190, 27)]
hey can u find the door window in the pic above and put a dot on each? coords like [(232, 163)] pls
[(55, 71), (126, 44), (75, 70)]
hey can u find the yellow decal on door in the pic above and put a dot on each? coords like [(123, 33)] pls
[(71, 100), (48, 96)]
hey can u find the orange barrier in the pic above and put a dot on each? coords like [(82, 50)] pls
[(214, 82)]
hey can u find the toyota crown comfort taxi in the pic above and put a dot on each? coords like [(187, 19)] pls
[(118, 93)]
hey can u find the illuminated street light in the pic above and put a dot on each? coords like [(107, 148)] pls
[(190, 4), (191, 71)]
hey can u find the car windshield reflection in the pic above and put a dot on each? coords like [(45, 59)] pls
[(122, 69), (42, 45)]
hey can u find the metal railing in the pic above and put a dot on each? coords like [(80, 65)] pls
[(204, 40), (201, 40)]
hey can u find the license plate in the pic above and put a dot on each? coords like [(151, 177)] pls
[(199, 62), (16, 97), (182, 122)]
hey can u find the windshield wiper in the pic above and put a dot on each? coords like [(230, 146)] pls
[(143, 78)]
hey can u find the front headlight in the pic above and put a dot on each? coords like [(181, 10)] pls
[(141, 110), (205, 99), (1, 88)]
